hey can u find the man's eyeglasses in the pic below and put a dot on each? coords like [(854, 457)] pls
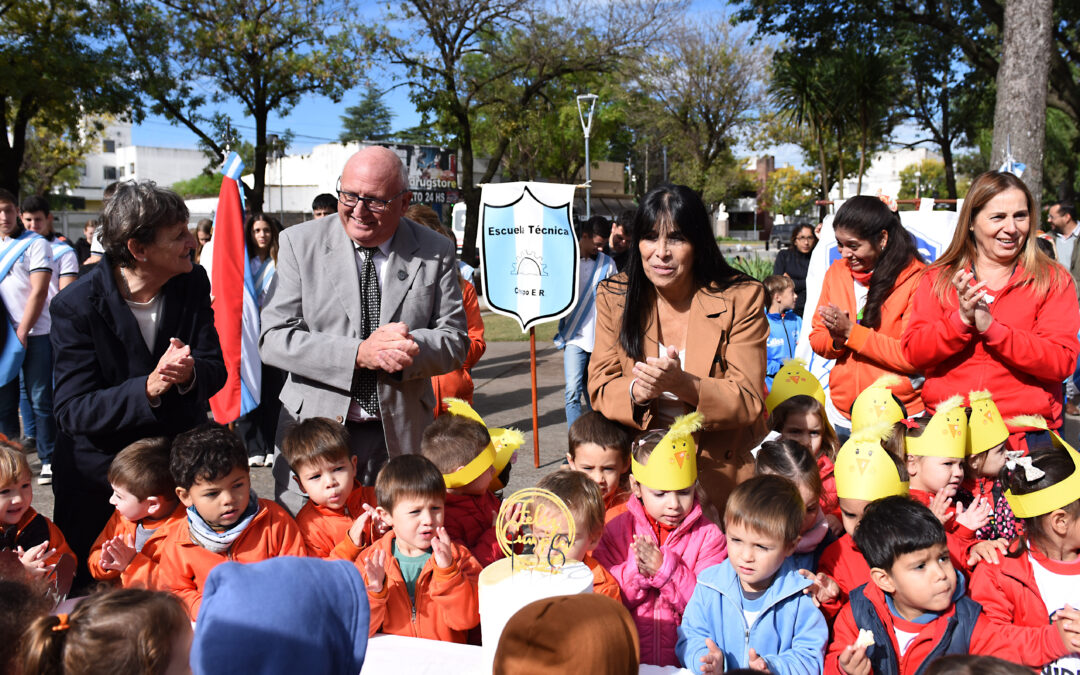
[(351, 199)]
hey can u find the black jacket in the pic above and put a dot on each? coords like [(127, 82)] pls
[(101, 363)]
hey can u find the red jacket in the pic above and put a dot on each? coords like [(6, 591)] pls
[(458, 383), (1011, 601), (986, 638), (830, 503), (958, 537), (185, 565), (868, 353), (1023, 357), (326, 531), (142, 571), (470, 521), (843, 562), (447, 604)]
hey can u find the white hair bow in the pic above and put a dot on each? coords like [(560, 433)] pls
[(1015, 458)]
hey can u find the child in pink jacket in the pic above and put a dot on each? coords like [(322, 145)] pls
[(657, 548)]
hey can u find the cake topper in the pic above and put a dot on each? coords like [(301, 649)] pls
[(539, 519)]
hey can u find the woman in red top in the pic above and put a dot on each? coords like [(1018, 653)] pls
[(1012, 328), (864, 305)]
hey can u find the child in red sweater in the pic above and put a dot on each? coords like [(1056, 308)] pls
[(129, 549), (1037, 584), (600, 449), (915, 609), (586, 503), (225, 521), (338, 520), (419, 582), (987, 437), (36, 539), (465, 451), (935, 450), (865, 471)]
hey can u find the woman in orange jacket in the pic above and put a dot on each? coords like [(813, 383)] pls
[(865, 303)]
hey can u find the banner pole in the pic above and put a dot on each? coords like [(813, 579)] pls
[(535, 415)]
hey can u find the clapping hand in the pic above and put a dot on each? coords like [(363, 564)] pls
[(33, 559), (713, 661), (973, 307), (837, 321), (659, 374), (976, 515), (440, 549), (649, 558), (375, 571), (117, 553), (824, 588), (356, 531), (176, 366), (389, 348), (940, 504), (1067, 621)]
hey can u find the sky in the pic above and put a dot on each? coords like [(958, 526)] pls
[(318, 120)]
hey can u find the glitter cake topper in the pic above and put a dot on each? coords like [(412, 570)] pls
[(535, 517)]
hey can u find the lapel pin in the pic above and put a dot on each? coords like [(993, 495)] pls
[(401, 275)]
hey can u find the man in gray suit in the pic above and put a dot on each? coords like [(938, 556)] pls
[(365, 307)]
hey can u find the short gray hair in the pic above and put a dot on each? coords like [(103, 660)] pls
[(137, 211)]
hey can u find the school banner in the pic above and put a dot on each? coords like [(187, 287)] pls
[(236, 312), (528, 251), (933, 231)]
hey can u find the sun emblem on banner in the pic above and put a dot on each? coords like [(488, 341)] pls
[(529, 263)]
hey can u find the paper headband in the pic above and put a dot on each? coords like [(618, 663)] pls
[(497, 454), (793, 379), (1048, 499), (864, 469), (945, 434), (673, 462), (986, 429), (876, 404)]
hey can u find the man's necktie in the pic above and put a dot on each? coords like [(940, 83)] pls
[(364, 385)]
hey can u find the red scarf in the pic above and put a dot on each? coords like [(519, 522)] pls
[(659, 529), (862, 278)]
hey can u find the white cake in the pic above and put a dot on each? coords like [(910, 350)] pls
[(506, 587)]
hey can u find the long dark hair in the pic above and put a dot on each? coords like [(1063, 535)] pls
[(249, 233), (683, 209), (868, 218)]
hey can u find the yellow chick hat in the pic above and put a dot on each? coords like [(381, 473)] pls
[(497, 453), (793, 379), (876, 404), (986, 429), (673, 462), (946, 433), (1048, 499), (864, 469)]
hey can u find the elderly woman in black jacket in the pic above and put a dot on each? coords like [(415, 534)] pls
[(136, 352)]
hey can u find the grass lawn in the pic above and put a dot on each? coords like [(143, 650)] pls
[(498, 328)]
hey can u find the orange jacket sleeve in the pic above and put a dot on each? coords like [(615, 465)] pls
[(178, 578), (141, 572), (454, 590), (821, 340), (287, 537), (93, 560), (57, 541), (475, 323)]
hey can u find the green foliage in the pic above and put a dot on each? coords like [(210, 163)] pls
[(60, 65), (788, 190), (759, 268), (930, 182), (52, 159), (186, 56), (367, 120), (203, 185)]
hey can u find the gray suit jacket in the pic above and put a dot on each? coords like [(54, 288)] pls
[(311, 324)]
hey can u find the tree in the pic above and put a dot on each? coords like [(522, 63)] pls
[(707, 85), (367, 120), (929, 184), (788, 190), (266, 54), (463, 57), (56, 72), (871, 79), (53, 157), (204, 185), (1020, 113)]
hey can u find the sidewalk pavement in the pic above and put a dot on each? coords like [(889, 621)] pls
[(502, 396)]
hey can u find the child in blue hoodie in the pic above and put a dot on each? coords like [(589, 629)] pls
[(784, 324), (751, 610)]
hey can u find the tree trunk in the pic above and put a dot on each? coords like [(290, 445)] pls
[(257, 193), (1020, 110)]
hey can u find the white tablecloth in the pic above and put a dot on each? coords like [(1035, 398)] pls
[(392, 654)]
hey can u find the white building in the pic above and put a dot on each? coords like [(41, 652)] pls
[(884, 172), (118, 159)]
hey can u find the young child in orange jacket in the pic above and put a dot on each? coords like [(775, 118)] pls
[(468, 454), (36, 539), (129, 549), (600, 449), (419, 582), (337, 522), (914, 609), (225, 521), (586, 503)]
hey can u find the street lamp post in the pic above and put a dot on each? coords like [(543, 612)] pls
[(918, 183), (586, 126)]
